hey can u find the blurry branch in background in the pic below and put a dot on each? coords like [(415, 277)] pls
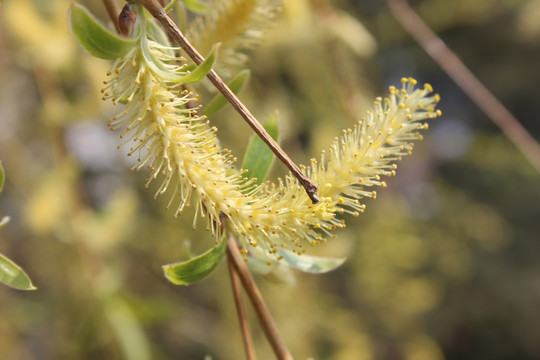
[(158, 12), (466, 80), (265, 319), (113, 9), (240, 309)]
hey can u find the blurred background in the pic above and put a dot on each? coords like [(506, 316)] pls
[(443, 265)]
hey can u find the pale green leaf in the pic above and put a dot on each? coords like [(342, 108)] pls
[(310, 264), (13, 275), (219, 100), (276, 272), (196, 75), (195, 6), (196, 269), (170, 5), (155, 32), (95, 38), (204, 68), (259, 158)]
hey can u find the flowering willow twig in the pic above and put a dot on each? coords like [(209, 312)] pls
[(466, 80), (158, 12)]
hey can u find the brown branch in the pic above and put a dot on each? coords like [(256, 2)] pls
[(265, 319), (466, 80), (113, 9), (157, 11), (240, 309)]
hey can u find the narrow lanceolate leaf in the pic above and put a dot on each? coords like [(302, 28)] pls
[(219, 101), (170, 6), (310, 264), (204, 68), (95, 38), (195, 75), (258, 158), (12, 275), (196, 269)]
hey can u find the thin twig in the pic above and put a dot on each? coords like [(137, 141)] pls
[(466, 80), (240, 309), (265, 319), (113, 9), (157, 11)]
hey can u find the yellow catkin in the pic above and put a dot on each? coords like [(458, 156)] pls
[(237, 25), (182, 152)]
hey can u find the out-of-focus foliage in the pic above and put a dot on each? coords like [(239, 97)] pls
[(443, 265), (11, 274)]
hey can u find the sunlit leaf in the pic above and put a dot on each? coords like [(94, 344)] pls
[(310, 264), (195, 6), (196, 269), (94, 37), (258, 158), (12, 275), (219, 100)]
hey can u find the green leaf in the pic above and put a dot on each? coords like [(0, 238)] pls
[(219, 101), (95, 38), (259, 158), (196, 75), (170, 5), (195, 6), (2, 176), (310, 264), (12, 275), (204, 68), (196, 269)]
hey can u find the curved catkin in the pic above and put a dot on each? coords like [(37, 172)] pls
[(181, 149)]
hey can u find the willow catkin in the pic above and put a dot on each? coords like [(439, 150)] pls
[(181, 149)]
